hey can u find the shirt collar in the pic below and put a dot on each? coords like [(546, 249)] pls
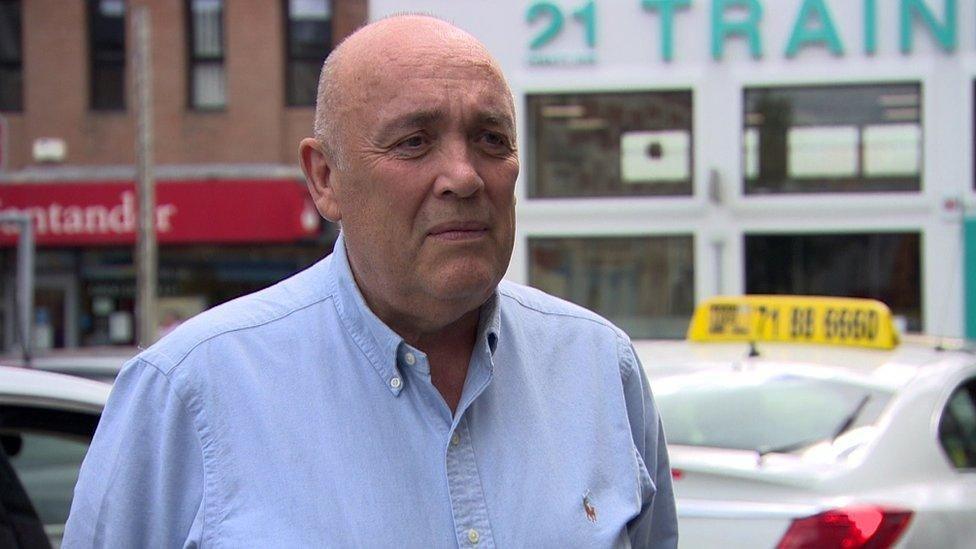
[(381, 345), (489, 323)]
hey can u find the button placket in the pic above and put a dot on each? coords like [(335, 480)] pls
[(467, 493)]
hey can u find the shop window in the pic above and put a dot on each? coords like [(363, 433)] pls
[(206, 48), (610, 144), (11, 57), (849, 138), (643, 284), (884, 266), (957, 427), (106, 39), (308, 41), (191, 278)]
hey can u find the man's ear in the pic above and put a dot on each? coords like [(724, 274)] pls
[(319, 178)]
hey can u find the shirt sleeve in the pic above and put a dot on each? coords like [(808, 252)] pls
[(141, 483), (657, 524)]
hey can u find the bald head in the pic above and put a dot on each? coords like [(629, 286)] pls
[(361, 60)]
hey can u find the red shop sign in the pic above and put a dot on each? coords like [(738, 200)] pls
[(216, 211)]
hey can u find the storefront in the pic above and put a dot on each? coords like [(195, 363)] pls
[(678, 149), (218, 239)]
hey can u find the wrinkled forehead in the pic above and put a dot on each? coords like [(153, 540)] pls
[(437, 74), (432, 65)]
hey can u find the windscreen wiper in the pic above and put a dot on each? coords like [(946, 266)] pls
[(846, 424), (851, 418)]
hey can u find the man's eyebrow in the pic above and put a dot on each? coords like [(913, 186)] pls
[(392, 128), (498, 119)]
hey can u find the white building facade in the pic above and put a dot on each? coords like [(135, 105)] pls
[(677, 149)]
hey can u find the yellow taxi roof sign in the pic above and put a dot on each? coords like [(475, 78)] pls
[(795, 319)]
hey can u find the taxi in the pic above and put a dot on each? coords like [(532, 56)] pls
[(797, 422)]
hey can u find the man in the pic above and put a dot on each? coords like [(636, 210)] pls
[(397, 393)]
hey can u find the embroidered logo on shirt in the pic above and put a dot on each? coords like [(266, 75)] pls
[(588, 507)]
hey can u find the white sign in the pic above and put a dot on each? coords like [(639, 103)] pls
[(655, 156)]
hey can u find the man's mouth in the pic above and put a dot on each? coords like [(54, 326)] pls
[(458, 230)]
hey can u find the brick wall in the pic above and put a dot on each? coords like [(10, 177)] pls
[(255, 126)]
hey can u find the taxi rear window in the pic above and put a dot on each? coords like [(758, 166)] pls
[(782, 413)]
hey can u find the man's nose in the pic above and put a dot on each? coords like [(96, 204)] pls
[(458, 174)]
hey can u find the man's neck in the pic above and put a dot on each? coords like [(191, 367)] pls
[(445, 331), (449, 353)]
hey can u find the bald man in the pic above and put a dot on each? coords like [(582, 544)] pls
[(398, 393)]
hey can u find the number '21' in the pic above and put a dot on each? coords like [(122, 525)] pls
[(585, 15)]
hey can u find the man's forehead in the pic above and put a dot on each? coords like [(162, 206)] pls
[(416, 64), (428, 86), (392, 121), (424, 61)]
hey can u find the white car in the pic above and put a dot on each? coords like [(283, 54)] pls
[(796, 437), (100, 363), (46, 424)]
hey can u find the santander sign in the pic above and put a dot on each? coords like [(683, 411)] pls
[(212, 211), (57, 218)]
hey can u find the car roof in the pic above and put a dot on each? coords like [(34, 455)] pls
[(884, 369), (28, 387), (102, 363)]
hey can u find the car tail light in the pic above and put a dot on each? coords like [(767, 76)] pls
[(677, 474), (860, 527)]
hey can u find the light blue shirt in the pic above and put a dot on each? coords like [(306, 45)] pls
[(293, 417)]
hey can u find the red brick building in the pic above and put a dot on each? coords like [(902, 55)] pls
[(233, 85)]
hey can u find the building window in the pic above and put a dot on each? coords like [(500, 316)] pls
[(106, 36), (206, 47), (11, 57), (309, 40), (849, 138), (884, 266), (643, 284), (610, 144)]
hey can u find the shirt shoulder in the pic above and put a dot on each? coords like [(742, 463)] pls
[(575, 324), (269, 308), (527, 299)]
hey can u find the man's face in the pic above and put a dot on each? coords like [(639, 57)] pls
[(425, 185)]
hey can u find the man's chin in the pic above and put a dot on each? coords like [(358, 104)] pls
[(473, 284)]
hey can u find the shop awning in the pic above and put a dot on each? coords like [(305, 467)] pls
[(226, 211)]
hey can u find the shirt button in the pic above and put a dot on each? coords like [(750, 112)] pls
[(473, 536), (395, 382), (410, 359), (455, 440)]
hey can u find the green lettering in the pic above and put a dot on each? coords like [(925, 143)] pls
[(587, 16), (748, 27), (944, 32), (667, 9), (870, 26), (803, 34), (549, 33)]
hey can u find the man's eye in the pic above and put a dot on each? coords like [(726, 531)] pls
[(495, 140), (412, 142)]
